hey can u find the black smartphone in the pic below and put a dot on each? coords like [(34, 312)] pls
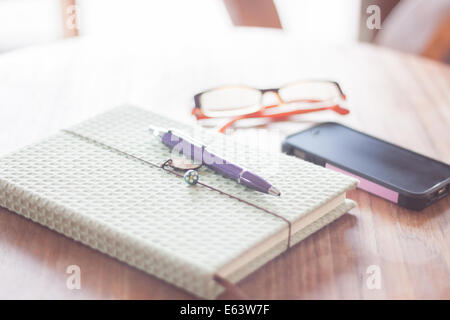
[(399, 175)]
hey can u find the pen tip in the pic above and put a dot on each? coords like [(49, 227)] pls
[(274, 191)]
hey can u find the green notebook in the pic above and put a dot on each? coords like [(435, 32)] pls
[(93, 183)]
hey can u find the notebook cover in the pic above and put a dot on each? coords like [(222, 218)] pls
[(77, 183)]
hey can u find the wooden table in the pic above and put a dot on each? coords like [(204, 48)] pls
[(397, 97)]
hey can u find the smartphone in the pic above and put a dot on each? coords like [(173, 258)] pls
[(399, 175)]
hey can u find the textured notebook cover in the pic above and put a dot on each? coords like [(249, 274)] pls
[(150, 218)]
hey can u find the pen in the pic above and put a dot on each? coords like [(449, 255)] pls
[(199, 153)]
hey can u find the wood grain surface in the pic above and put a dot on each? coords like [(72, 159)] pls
[(397, 97)]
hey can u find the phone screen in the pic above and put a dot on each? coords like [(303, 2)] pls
[(370, 157)]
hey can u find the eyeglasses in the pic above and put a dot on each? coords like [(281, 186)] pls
[(243, 102)]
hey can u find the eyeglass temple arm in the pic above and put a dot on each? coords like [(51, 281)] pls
[(259, 114)]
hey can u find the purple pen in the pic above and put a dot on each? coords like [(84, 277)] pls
[(199, 153)]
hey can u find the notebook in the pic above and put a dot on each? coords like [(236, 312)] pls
[(94, 183)]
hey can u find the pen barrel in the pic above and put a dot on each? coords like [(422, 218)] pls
[(237, 173), (184, 147), (215, 163), (201, 155)]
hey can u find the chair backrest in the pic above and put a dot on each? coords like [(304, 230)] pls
[(253, 13), (438, 46), (418, 26)]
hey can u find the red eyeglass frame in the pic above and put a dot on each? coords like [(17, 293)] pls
[(200, 115)]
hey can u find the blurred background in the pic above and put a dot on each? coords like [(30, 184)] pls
[(419, 27)]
